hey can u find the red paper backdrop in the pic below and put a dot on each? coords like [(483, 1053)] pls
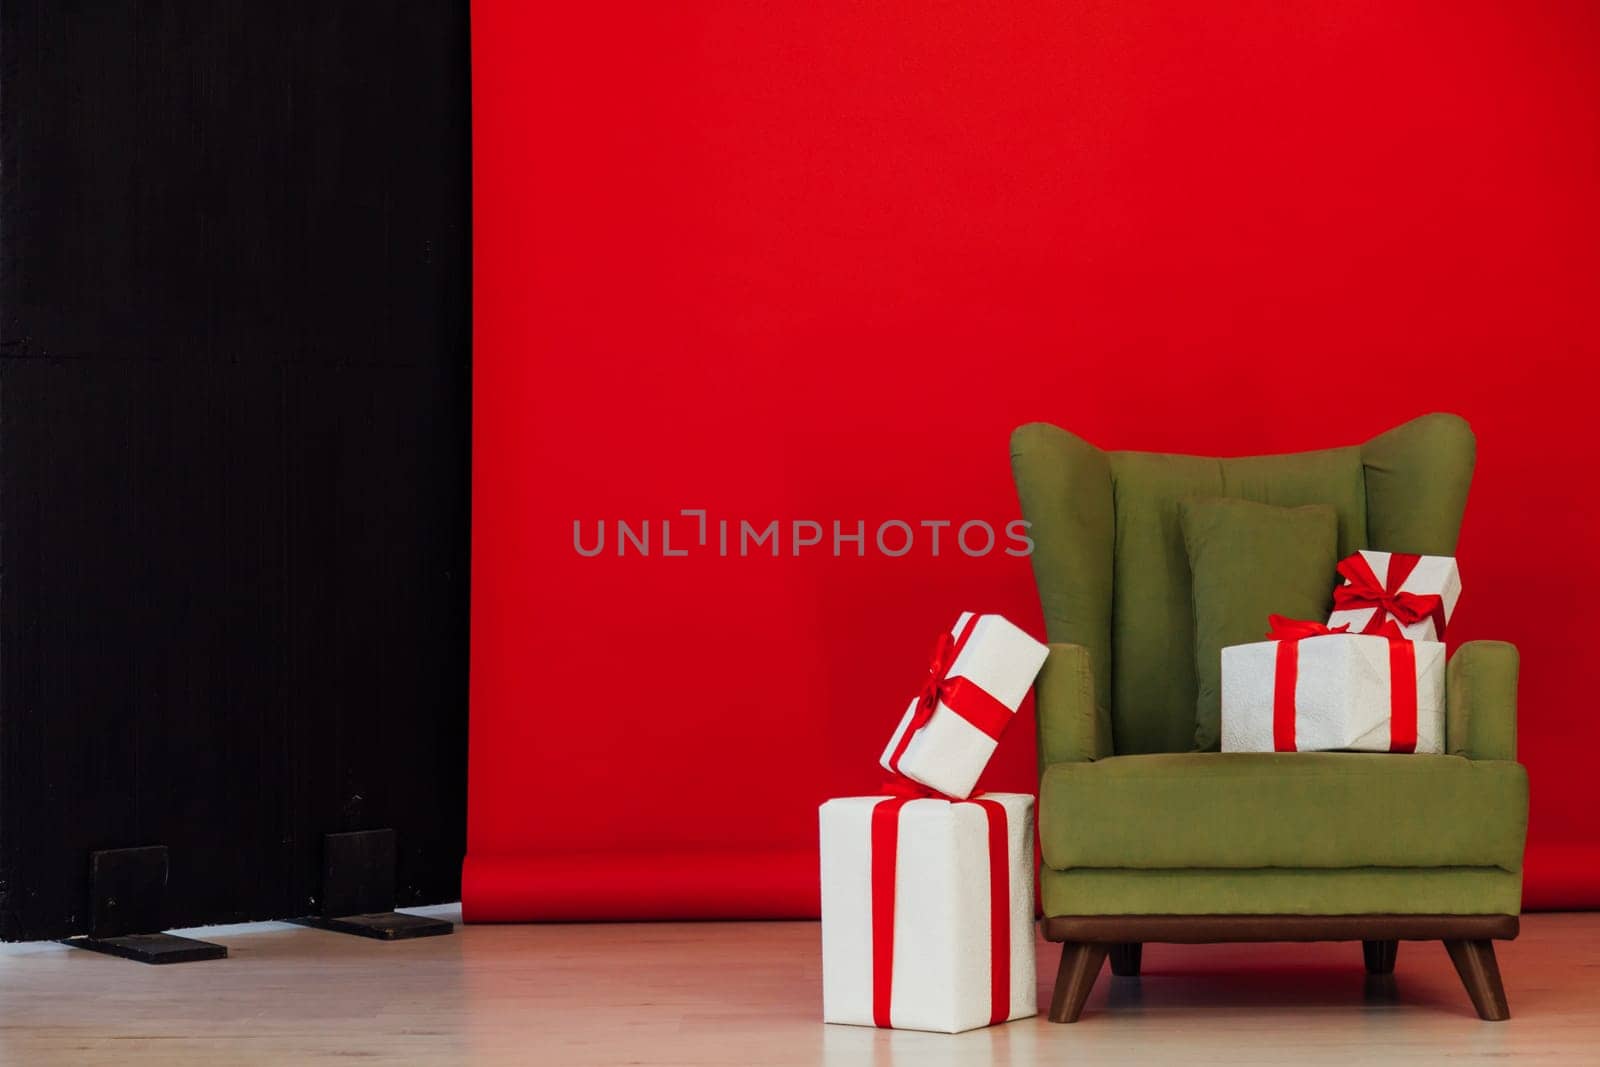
[(814, 261)]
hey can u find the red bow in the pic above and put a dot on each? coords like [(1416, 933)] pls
[(936, 685), (1285, 629), (1363, 590), (961, 695)]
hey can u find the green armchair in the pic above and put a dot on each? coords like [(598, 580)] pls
[(1144, 839)]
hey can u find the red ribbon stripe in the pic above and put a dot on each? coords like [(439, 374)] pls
[(999, 912), (885, 851), (885, 855), (1286, 680), (1402, 696)]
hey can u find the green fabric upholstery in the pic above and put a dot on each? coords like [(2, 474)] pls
[(1109, 558), (1284, 809), (1248, 561), (1132, 820), (1080, 729), (1270, 891), (1416, 477), (1480, 690), (1065, 486), (1153, 705)]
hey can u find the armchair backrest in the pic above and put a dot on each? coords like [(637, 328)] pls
[(1109, 558)]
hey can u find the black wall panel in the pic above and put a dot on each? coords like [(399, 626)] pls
[(234, 427)]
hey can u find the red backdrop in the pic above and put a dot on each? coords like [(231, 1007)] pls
[(814, 261)]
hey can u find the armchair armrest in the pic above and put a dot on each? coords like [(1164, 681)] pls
[(1480, 689), (1071, 728)]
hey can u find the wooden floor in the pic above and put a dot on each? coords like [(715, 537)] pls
[(750, 993)]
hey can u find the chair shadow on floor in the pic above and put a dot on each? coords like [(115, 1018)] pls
[(1254, 988)]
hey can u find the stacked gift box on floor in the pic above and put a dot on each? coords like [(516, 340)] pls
[(927, 891), (1370, 679)]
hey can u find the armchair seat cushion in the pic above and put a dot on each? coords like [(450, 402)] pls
[(1292, 809)]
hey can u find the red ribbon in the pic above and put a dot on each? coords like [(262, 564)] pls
[(1363, 590), (885, 849), (885, 852), (961, 695), (1402, 680), (1285, 629), (905, 788)]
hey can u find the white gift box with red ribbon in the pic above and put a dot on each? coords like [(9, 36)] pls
[(927, 911), (1316, 691), (981, 671), (1418, 593)]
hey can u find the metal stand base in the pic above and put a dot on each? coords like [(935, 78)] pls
[(358, 890), (127, 909), (152, 948), (382, 925)]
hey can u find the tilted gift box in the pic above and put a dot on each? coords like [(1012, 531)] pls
[(927, 911), (1316, 691), (1418, 593), (980, 673)]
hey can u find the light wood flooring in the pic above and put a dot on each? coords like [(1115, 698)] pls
[(750, 993)]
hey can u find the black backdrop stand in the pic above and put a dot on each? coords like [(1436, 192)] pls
[(235, 336), (127, 909), (358, 890)]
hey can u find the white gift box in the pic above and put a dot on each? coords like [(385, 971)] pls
[(947, 972), (1343, 696), (1419, 576), (998, 662)]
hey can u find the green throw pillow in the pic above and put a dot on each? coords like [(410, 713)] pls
[(1249, 561)]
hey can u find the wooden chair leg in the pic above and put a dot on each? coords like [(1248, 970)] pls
[(1479, 972), (1125, 959), (1380, 956), (1080, 966)]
